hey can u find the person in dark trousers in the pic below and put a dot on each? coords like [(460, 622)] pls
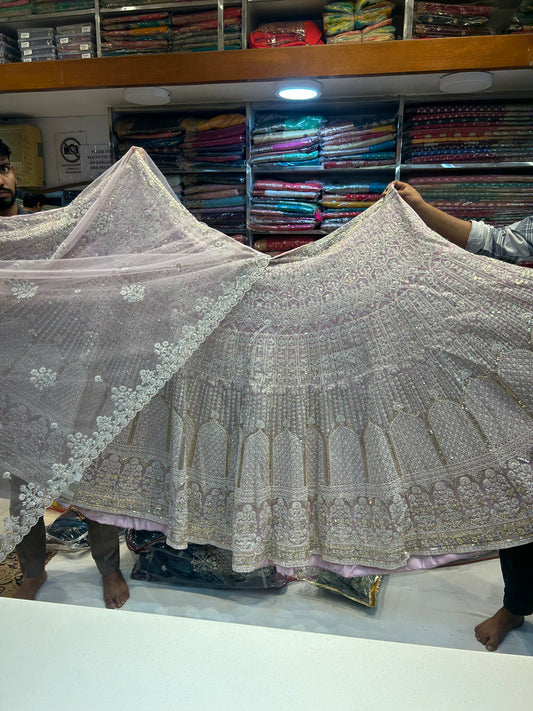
[(31, 551), (513, 243)]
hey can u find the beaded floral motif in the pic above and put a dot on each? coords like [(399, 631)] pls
[(328, 412), (72, 346), (133, 293), (315, 424), (204, 304), (31, 494), (24, 289), (43, 378)]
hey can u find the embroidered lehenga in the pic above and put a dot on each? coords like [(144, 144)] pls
[(359, 401)]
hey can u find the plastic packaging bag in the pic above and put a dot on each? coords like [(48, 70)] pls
[(68, 533)]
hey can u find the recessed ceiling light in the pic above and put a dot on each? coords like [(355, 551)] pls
[(147, 95), (465, 82), (298, 89)]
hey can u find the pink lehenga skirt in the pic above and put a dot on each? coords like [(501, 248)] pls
[(364, 400)]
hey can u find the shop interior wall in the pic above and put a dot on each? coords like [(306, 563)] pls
[(93, 129)]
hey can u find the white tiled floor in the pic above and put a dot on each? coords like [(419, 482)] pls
[(438, 607)]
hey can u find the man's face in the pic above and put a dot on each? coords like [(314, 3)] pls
[(8, 184)]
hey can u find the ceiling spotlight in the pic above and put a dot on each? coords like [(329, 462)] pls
[(298, 89), (465, 82), (147, 95)]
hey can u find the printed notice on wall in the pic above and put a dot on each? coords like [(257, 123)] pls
[(77, 161), (98, 159), (71, 156)]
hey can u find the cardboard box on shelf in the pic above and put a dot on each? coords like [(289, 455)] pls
[(25, 142)]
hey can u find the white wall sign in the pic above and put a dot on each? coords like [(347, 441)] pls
[(71, 152), (98, 159)]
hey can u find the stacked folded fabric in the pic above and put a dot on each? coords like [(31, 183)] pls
[(285, 140), (360, 141), (121, 3), (341, 202), (296, 33), (496, 199), (214, 142), (437, 19), (15, 8), (76, 41), (360, 21), (469, 132), (138, 33), (178, 143), (200, 566), (160, 135), (209, 567), (37, 44), (9, 50), (285, 207), (68, 532), (275, 245), (176, 183), (52, 6), (198, 31), (522, 18), (218, 199)]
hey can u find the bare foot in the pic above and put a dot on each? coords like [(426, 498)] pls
[(492, 632), (29, 587), (116, 590)]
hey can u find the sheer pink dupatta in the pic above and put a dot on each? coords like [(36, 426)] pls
[(101, 303)]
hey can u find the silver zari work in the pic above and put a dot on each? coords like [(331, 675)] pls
[(100, 303), (364, 399)]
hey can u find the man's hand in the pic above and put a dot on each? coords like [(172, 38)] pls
[(411, 196), (448, 226)]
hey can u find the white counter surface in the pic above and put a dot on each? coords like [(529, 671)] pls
[(68, 656)]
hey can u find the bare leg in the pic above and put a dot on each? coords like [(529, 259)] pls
[(517, 571), (31, 552), (30, 586), (493, 631), (116, 590), (105, 551)]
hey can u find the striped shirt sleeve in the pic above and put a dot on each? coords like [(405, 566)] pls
[(513, 243)]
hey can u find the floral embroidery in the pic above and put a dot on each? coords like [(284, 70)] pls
[(77, 443), (204, 304), (24, 289), (127, 389), (321, 339), (43, 379), (189, 332), (148, 377), (30, 494), (133, 293)]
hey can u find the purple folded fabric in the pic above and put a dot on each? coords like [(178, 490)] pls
[(286, 146)]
